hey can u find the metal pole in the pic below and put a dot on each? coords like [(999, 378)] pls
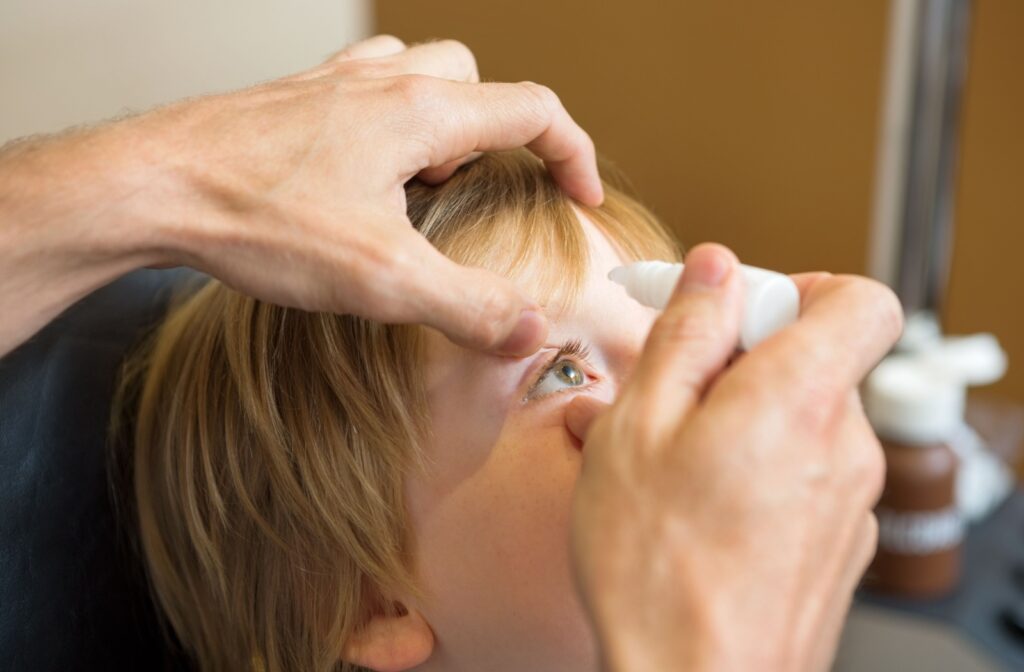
[(913, 228)]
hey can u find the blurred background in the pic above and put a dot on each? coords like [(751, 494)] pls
[(758, 125)]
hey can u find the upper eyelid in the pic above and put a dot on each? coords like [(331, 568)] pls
[(573, 348)]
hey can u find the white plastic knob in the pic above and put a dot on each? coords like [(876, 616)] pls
[(977, 359), (772, 299)]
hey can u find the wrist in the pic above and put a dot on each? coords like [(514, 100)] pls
[(688, 650), (631, 644), (70, 221), (74, 198)]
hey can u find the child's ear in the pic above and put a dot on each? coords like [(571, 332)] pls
[(391, 643)]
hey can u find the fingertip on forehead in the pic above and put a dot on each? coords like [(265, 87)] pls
[(578, 174), (582, 183)]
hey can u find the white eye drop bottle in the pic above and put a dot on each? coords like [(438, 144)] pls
[(772, 299)]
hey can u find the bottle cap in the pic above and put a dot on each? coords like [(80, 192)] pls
[(913, 404), (772, 300)]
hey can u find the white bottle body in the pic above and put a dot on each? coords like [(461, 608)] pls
[(772, 299)]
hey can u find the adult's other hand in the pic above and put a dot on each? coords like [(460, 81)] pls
[(723, 515), (291, 191)]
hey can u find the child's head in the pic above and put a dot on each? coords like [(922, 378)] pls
[(313, 488)]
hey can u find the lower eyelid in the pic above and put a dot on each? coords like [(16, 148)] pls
[(567, 390)]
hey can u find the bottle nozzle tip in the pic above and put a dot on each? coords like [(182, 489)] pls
[(618, 274)]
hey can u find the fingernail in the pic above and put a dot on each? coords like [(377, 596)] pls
[(526, 336), (706, 268)]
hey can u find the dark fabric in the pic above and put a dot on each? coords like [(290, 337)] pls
[(72, 593)]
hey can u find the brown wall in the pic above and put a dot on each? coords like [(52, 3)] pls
[(754, 123), (986, 291)]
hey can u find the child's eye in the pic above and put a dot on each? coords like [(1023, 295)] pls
[(562, 375)]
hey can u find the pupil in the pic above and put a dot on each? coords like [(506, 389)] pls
[(569, 373)]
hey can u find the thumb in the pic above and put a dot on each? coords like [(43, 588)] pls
[(692, 340), (473, 307), (581, 413)]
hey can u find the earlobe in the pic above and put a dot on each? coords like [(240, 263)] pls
[(391, 643)]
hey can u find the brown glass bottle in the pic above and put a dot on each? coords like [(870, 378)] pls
[(920, 529), (916, 412)]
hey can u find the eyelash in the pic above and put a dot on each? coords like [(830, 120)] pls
[(573, 350)]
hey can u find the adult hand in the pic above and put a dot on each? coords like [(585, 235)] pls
[(290, 191), (723, 516)]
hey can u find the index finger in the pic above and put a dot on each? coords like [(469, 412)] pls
[(472, 117), (846, 325)]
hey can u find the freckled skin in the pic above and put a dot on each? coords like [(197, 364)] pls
[(491, 522)]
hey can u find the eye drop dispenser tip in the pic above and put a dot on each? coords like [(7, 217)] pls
[(772, 299)]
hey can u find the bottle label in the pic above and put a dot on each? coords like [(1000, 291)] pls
[(919, 532)]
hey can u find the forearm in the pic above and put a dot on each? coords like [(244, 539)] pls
[(77, 210)]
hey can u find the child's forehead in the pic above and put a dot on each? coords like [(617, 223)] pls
[(569, 289), (557, 283)]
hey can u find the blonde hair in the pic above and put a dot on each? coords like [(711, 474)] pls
[(269, 446)]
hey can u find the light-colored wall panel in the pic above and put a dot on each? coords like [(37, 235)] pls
[(64, 62)]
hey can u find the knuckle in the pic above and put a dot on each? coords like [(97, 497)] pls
[(544, 96), (417, 93), (488, 312), (861, 459), (871, 530), (890, 311), (459, 51), (815, 278), (390, 41), (869, 539), (495, 309), (884, 306), (869, 468), (415, 108)]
